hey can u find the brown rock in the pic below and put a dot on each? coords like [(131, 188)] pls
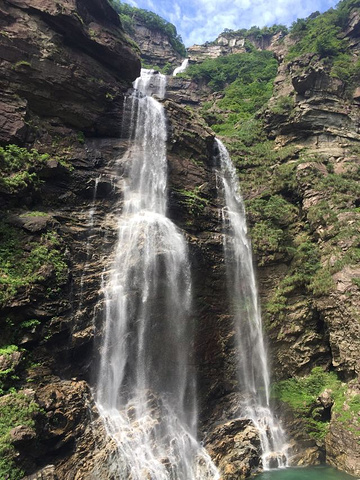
[(21, 435), (95, 64), (235, 448)]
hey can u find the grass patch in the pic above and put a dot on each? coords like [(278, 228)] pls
[(15, 409), (193, 200), (301, 394), (23, 263)]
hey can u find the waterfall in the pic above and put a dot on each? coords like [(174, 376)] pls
[(146, 389), (253, 373), (182, 67)]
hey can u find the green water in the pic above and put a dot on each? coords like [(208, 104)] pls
[(314, 473)]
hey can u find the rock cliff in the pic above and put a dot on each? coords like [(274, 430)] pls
[(300, 183), (65, 68), (155, 46)]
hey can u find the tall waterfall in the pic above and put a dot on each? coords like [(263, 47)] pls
[(253, 374), (146, 390)]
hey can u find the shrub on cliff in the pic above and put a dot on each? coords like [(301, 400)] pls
[(321, 34), (150, 20), (244, 79)]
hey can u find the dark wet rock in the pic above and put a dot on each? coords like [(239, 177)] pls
[(235, 448)]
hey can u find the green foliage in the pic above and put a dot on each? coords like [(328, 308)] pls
[(20, 266), (321, 34), (167, 69), (15, 409), (275, 209), (8, 349), (243, 67), (127, 22), (246, 81), (283, 105), (255, 32), (345, 68), (18, 167), (150, 20), (80, 137), (301, 394), (270, 217), (322, 282), (304, 266), (193, 200), (34, 213), (21, 63), (30, 324)]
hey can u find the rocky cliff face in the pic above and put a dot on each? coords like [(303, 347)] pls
[(155, 46), (229, 43), (66, 68), (302, 200)]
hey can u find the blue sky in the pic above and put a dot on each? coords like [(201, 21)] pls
[(200, 20)]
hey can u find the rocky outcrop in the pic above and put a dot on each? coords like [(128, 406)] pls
[(67, 61), (235, 447), (317, 108), (155, 46), (229, 43), (65, 67)]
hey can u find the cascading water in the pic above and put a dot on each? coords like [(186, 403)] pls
[(146, 390), (182, 67), (253, 374)]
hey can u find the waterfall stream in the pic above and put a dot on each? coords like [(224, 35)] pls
[(146, 391), (182, 67), (253, 374)]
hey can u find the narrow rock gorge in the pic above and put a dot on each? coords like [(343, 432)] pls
[(66, 75)]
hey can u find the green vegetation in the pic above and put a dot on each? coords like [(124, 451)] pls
[(18, 168), (34, 213), (15, 409), (22, 263), (167, 69), (8, 349), (271, 217), (152, 21), (283, 105), (254, 32), (301, 394), (246, 81), (193, 200), (21, 63), (321, 34)]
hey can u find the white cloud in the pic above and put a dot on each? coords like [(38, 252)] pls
[(199, 21)]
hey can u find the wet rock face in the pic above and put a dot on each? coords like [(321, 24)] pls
[(235, 448), (342, 446), (67, 60)]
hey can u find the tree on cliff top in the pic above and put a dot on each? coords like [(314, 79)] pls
[(151, 20)]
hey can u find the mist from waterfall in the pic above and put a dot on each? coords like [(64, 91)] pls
[(146, 389), (252, 365)]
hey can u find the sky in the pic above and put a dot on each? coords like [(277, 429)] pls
[(198, 21)]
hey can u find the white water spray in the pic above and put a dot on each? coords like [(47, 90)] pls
[(182, 67), (146, 389), (253, 374)]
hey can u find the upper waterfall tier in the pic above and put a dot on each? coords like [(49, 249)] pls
[(146, 390)]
